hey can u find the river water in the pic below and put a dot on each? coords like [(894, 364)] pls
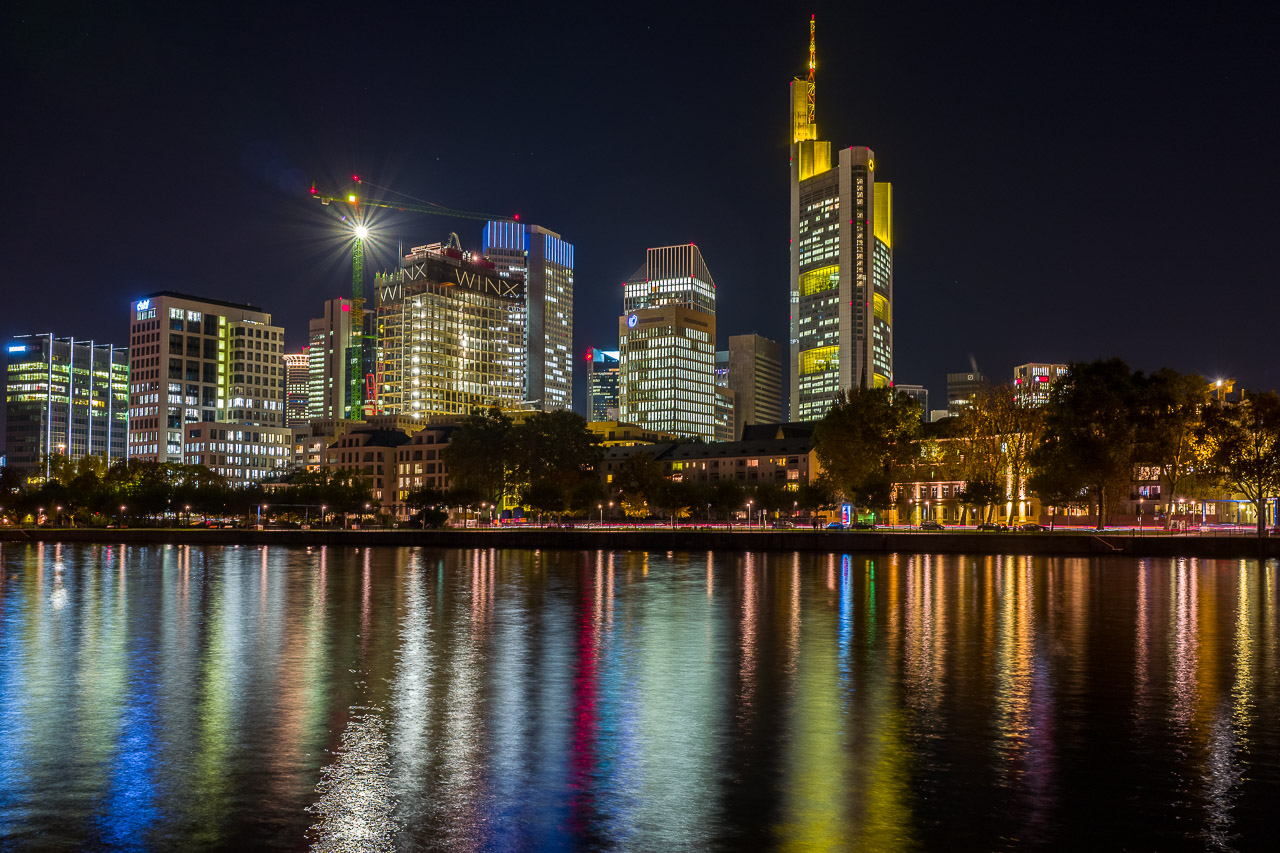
[(189, 698)]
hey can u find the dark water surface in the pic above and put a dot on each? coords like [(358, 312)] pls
[(187, 698)]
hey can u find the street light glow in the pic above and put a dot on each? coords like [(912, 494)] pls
[(361, 232)]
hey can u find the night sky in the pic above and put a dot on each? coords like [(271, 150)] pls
[(1071, 182)]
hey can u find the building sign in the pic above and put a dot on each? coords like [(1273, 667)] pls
[(477, 280), (17, 348), (143, 304), (846, 514), (632, 320)]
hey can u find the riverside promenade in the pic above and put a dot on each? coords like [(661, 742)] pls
[(692, 539)]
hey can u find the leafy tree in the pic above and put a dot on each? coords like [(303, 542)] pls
[(552, 445), (982, 494), (863, 440), (1090, 430), (1171, 406), (817, 495), (639, 476), (479, 454), (429, 503), (726, 497), (1245, 441)]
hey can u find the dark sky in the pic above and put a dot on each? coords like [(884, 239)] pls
[(1071, 181)]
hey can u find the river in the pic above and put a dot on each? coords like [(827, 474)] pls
[(189, 698)]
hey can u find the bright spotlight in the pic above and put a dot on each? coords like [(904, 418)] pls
[(362, 232)]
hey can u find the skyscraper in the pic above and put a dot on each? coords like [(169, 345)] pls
[(1031, 382), (297, 389), (602, 384), (545, 262), (194, 360), (961, 388), (755, 377), (450, 335), (841, 264), (64, 397), (329, 359), (667, 344)]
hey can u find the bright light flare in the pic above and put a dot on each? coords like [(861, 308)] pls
[(361, 232)]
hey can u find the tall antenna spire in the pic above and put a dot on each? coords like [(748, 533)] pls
[(813, 62)]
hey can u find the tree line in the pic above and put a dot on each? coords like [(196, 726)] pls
[(1102, 421)]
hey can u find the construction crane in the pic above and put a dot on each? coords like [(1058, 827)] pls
[(355, 202)]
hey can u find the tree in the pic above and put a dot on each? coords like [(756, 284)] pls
[(817, 495), (429, 502), (1245, 441), (863, 440), (479, 454), (639, 476), (552, 445), (1090, 430), (981, 494), (1171, 405)]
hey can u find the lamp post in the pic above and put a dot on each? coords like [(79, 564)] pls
[(749, 515), (1140, 500), (600, 507), (366, 513), (188, 509), (58, 519), (323, 507), (122, 515)]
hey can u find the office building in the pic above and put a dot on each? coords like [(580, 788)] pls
[(602, 384), (841, 296), (66, 397), (369, 454), (755, 377), (666, 344), (1031, 382), (545, 263), (241, 453), (196, 360), (450, 335), (297, 387), (961, 389), (918, 393), (330, 355)]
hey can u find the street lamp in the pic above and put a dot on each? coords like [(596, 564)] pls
[(59, 518), (323, 507), (600, 506), (749, 514)]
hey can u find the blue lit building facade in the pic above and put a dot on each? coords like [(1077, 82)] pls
[(545, 262)]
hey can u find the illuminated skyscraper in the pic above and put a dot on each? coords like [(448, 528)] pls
[(1031, 382), (602, 384), (297, 402), (329, 360), (545, 262), (64, 397), (667, 344), (841, 264), (196, 360)]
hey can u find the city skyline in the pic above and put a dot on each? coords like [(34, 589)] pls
[(975, 150)]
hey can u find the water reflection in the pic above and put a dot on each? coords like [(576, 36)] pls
[(176, 697)]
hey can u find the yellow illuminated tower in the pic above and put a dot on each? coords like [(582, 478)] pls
[(841, 263)]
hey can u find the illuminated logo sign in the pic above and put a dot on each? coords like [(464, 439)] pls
[(17, 348), (144, 304), (631, 321), (846, 514)]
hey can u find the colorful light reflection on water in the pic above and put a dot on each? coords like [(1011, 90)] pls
[(189, 698)]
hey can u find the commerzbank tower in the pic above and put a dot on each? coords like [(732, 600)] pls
[(841, 263)]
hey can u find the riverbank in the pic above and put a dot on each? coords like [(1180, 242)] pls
[(688, 539)]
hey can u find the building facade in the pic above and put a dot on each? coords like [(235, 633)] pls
[(666, 344), (961, 389), (545, 262), (241, 453), (755, 377), (450, 335), (196, 360), (329, 362), (369, 454), (297, 387), (920, 394), (1031, 382), (420, 465), (841, 295), (602, 384), (66, 397)]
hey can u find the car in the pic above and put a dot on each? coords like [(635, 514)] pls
[(863, 525), (930, 524), (835, 525), (782, 525), (1032, 527), (991, 525)]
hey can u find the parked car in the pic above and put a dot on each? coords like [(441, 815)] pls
[(1033, 527), (835, 525), (991, 525), (930, 524), (863, 525), (782, 524)]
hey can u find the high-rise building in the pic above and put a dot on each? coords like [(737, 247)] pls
[(198, 360), (545, 262), (602, 384), (667, 344), (841, 264), (64, 397), (755, 377), (726, 417), (329, 360), (920, 394), (961, 388), (1031, 382), (450, 335), (297, 387)]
